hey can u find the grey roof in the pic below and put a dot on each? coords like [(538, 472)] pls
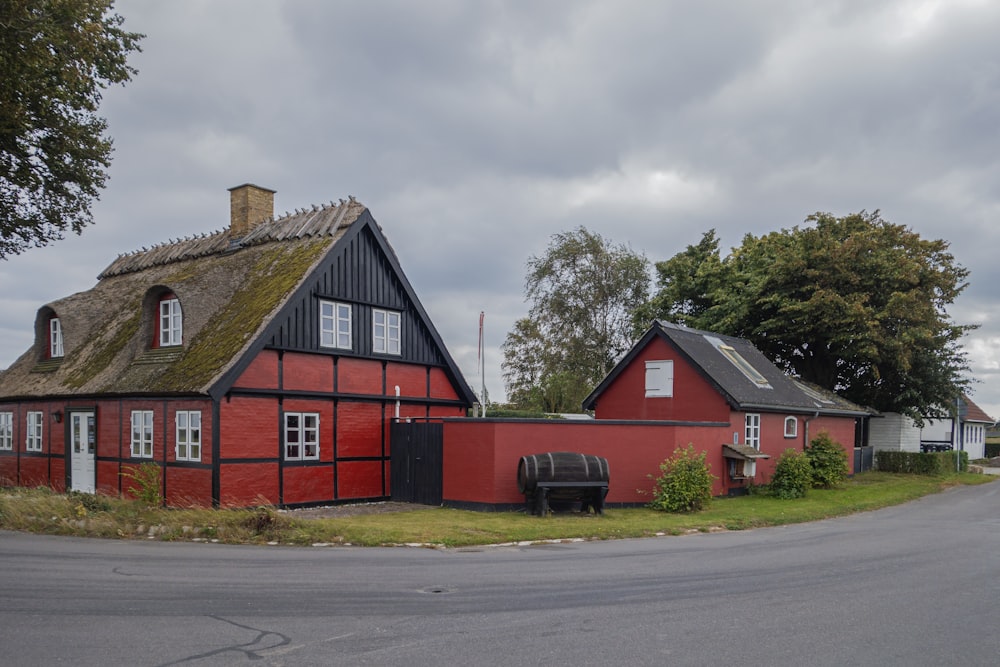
[(772, 390)]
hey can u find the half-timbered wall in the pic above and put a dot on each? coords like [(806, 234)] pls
[(182, 482), (355, 399)]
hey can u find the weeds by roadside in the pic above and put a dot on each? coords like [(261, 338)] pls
[(43, 511)]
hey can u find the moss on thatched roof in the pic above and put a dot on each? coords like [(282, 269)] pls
[(229, 289)]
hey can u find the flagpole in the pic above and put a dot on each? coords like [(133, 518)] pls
[(482, 364)]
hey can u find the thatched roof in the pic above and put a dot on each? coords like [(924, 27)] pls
[(229, 290)]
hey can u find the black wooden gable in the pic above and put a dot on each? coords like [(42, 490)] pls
[(361, 271)]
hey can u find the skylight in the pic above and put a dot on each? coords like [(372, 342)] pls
[(736, 359)]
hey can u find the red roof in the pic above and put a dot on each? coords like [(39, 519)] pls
[(974, 413)]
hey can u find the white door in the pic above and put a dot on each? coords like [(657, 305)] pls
[(82, 452)]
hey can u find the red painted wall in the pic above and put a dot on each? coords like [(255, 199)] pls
[(773, 441), (308, 484), (109, 479), (359, 429), (189, 487), (440, 385), (481, 456), (34, 471), (359, 479), (262, 372), (8, 469), (694, 399), (359, 376), (411, 380), (248, 484), (249, 428), (307, 372)]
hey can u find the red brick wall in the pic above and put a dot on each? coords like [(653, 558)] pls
[(262, 372), (309, 372), (359, 429), (359, 479), (411, 380), (249, 428), (248, 484), (440, 385), (308, 484), (359, 376)]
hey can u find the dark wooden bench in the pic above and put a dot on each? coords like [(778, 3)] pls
[(591, 494)]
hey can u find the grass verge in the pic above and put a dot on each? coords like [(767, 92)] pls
[(44, 511)]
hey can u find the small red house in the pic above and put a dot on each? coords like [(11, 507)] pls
[(259, 364), (675, 373)]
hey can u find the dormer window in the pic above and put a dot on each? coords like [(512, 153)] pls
[(55, 338), (171, 321)]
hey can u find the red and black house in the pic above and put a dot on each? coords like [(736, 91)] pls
[(259, 364)]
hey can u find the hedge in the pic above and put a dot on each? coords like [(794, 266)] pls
[(992, 449), (917, 463)]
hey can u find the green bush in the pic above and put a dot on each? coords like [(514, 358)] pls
[(792, 475), (920, 463), (91, 502), (684, 484), (992, 449), (144, 483), (828, 460)]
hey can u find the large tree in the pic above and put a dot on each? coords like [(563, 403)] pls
[(583, 292), (855, 304), (56, 57)]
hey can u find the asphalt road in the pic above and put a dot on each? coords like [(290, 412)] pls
[(911, 585)]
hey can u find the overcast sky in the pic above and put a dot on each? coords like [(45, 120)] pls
[(474, 131)]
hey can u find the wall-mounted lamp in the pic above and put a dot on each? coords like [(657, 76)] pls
[(57, 416)]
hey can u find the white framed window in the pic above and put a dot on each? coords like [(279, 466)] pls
[(301, 436), (188, 445), (171, 322), (659, 378), (55, 338), (335, 325), (752, 431), (385, 331), (33, 439), (791, 427), (6, 431), (142, 434)]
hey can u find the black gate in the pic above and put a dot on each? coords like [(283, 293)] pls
[(864, 459), (416, 462)]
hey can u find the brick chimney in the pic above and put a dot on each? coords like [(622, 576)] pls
[(249, 205)]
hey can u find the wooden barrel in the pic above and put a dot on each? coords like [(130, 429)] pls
[(560, 467)]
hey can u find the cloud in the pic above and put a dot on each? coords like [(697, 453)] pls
[(476, 131)]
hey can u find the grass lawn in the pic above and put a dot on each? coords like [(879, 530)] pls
[(43, 511)]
